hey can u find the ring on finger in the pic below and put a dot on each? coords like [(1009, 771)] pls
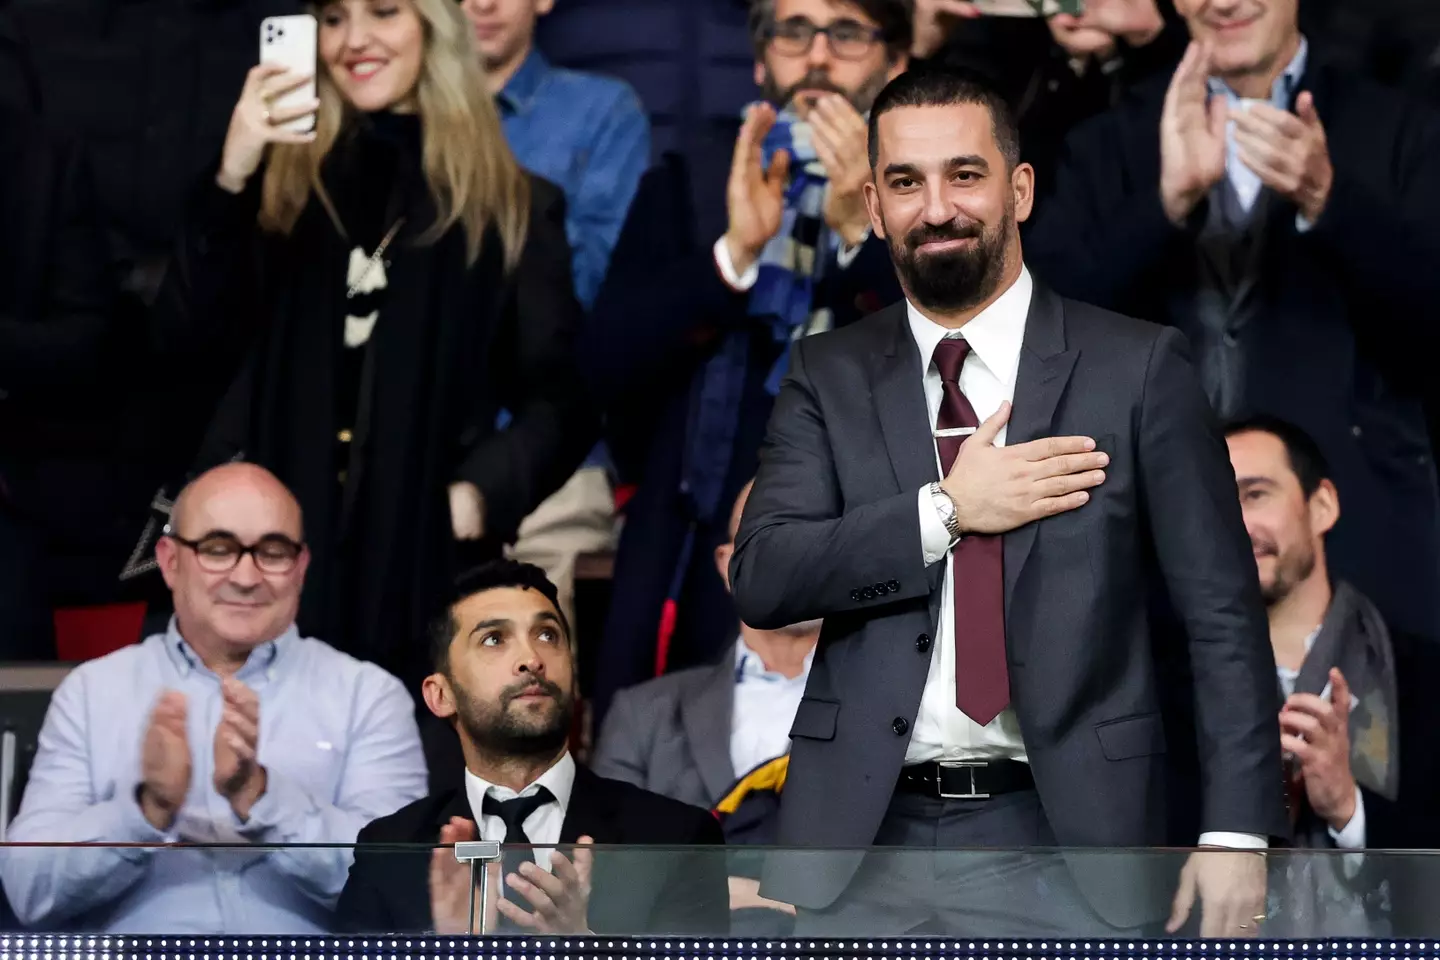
[(265, 115)]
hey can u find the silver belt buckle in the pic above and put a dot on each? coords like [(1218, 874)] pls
[(968, 765)]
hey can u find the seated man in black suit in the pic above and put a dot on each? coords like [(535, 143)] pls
[(505, 678)]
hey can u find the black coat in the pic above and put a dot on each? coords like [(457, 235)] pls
[(454, 345), (633, 891), (1345, 344), (661, 314)]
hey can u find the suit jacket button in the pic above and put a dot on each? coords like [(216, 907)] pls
[(881, 589), (855, 595), (868, 593), (900, 725), (893, 586), (922, 643)]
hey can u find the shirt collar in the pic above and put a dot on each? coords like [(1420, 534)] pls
[(518, 95), (1282, 94), (559, 780), (262, 659), (749, 664), (995, 335)]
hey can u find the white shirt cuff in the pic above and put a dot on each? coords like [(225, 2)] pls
[(1352, 835), (934, 538), (1301, 224), (740, 282), (847, 255), (1235, 841)]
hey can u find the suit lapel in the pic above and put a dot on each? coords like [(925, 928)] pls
[(701, 716), (898, 384), (1045, 368), (590, 812), (458, 805)]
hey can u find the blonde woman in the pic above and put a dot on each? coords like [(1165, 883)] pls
[(401, 280)]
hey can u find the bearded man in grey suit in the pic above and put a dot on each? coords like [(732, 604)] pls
[(999, 501)]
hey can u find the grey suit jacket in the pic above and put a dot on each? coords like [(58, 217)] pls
[(671, 735), (832, 530)]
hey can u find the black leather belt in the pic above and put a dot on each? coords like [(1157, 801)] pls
[(966, 779)]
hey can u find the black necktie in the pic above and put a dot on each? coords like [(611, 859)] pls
[(514, 813)]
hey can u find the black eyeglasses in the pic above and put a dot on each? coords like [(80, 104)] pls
[(220, 552), (848, 39)]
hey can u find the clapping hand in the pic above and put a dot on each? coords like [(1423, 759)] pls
[(1288, 152), (841, 138), (1317, 733), (165, 761), (560, 900), (452, 888), (755, 196), (239, 778), (1192, 136)]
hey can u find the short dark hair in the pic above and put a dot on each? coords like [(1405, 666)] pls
[(1307, 461), (493, 575), (946, 85), (895, 18)]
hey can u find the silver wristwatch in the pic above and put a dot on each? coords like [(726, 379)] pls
[(946, 508)]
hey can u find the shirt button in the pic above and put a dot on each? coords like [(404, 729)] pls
[(922, 642), (344, 436), (900, 725)]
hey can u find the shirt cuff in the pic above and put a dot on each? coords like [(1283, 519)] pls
[(934, 538), (739, 282), (1235, 841), (283, 799), (847, 255), (1302, 225), (1352, 835), (135, 828)]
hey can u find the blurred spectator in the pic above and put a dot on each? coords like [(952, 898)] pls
[(1282, 214), (55, 301), (690, 334), (1059, 74), (589, 135), (373, 392), (1360, 707), (229, 728), (689, 60), (585, 133), (692, 734), (505, 678)]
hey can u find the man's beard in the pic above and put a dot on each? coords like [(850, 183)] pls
[(817, 80), (953, 279), (1291, 570), (501, 732)]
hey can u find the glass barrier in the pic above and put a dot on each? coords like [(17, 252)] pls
[(228, 889)]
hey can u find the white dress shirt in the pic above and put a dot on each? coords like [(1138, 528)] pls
[(1352, 835), (764, 710), (942, 731), (543, 825)]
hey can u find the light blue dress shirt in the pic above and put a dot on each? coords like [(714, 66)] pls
[(340, 747), (1246, 182)]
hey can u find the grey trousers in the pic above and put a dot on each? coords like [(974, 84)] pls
[(929, 884)]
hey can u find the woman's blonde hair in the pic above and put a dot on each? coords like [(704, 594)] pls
[(473, 177)]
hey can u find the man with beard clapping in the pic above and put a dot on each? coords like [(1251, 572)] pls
[(504, 677), (991, 494)]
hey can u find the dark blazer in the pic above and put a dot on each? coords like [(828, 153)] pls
[(633, 891), (672, 734), (1344, 344), (662, 312), (831, 530)]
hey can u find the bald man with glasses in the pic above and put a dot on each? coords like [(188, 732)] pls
[(228, 728)]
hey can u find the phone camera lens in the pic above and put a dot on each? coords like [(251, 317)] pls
[(280, 32)]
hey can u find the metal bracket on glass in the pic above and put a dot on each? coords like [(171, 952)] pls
[(481, 853)]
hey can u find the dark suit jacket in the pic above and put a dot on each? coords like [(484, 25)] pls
[(831, 530), (661, 314), (672, 734), (633, 891), (1345, 342)]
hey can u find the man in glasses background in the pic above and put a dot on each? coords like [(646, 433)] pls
[(227, 728), (723, 262)]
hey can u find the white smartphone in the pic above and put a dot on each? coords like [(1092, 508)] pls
[(290, 43), (1029, 8)]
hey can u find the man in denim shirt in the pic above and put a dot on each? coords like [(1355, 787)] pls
[(589, 135), (228, 728)]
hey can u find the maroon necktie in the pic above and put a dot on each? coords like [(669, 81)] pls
[(982, 681)]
